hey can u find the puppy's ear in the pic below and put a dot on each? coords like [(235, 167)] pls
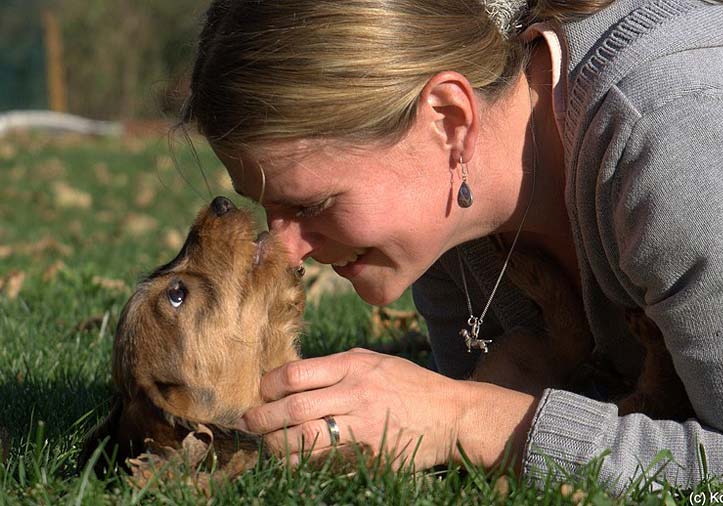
[(106, 431)]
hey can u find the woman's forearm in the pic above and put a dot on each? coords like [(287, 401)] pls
[(492, 418)]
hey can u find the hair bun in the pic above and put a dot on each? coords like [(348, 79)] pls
[(505, 13)]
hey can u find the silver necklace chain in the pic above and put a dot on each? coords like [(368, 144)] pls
[(471, 335)]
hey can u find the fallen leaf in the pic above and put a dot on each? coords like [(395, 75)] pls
[(197, 444), (91, 323), (162, 463), (502, 488), (5, 251), (51, 272), (164, 163), (147, 467), (139, 224), (12, 283), (110, 284), (386, 320), (52, 168), (566, 489), (320, 279), (67, 196), (102, 174), (578, 497), (45, 244), (145, 197), (173, 239)]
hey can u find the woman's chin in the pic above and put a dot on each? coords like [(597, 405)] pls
[(377, 294)]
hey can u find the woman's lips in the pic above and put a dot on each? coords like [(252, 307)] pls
[(358, 252), (349, 269)]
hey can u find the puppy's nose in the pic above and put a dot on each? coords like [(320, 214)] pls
[(221, 205)]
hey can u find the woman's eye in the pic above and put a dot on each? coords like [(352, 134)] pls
[(313, 210), (176, 294)]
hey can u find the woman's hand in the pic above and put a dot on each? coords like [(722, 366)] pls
[(368, 393)]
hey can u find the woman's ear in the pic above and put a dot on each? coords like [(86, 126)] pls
[(450, 106)]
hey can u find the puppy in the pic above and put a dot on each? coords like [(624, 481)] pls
[(562, 355), (195, 338)]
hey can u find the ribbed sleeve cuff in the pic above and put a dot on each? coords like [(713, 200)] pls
[(567, 432)]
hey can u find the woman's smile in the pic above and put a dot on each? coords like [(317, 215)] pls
[(353, 265), (358, 252)]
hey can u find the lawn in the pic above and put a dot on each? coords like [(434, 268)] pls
[(80, 221)]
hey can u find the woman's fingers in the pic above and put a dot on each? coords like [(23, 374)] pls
[(391, 402), (297, 409), (314, 435), (301, 375)]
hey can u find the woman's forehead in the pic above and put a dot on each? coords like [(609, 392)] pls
[(265, 170), (280, 154)]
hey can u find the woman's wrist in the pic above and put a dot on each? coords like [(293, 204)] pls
[(490, 419)]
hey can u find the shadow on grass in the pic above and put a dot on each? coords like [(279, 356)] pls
[(66, 407)]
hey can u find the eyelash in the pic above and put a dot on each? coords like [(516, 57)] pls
[(313, 210)]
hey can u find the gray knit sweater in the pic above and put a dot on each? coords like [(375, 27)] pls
[(643, 138)]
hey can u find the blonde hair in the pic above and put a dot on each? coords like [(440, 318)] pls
[(344, 69)]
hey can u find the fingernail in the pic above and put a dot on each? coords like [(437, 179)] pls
[(241, 425)]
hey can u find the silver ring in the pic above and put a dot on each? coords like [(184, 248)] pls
[(333, 429)]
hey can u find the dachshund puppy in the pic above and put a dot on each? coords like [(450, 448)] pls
[(195, 338)]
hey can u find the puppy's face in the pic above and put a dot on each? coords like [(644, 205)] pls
[(196, 336)]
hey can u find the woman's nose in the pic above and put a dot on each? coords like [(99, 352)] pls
[(291, 235)]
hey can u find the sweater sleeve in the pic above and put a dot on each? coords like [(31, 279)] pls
[(668, 226)]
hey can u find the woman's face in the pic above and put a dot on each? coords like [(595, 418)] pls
[(380, 215)]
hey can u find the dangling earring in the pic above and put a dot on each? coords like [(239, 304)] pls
[(464, 196)]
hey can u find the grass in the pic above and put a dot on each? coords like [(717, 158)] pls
[(80, 221)]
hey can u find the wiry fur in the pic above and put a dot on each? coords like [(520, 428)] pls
[(202, 362)]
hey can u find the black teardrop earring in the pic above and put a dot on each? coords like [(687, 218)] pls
[(464, 195)]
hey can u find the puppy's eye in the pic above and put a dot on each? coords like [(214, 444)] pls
[(176, 294)]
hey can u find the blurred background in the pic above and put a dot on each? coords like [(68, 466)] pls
[(117, 60), (94, 194), (93, 190)]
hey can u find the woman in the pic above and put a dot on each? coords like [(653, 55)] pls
[(396, 140)]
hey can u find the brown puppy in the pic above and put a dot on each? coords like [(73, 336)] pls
[(196, 336)]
